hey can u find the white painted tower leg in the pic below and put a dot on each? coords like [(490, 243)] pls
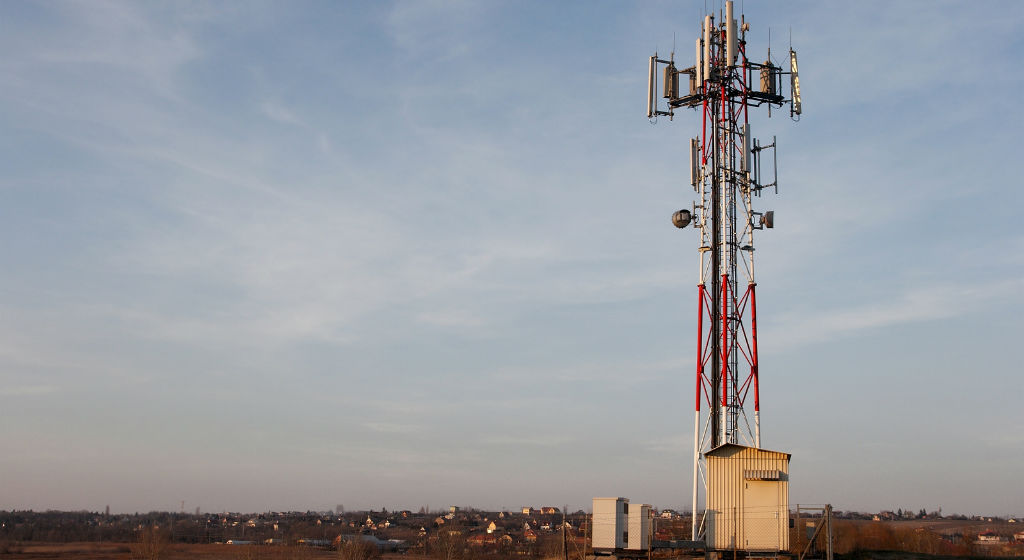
[(757, 429), (696, 467)]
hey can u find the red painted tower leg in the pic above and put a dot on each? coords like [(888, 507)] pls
[(700, 344), (753, 366), (725, 354)]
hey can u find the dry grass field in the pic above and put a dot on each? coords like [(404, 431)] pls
[(124, 551)]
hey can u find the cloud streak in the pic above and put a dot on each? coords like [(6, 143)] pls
[(928, 303)]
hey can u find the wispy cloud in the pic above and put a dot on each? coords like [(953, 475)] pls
[(390, 428), (26, 390), (432, 27), (113, 39), (927, 303), (1005, 438), (450, 318), (675, 444), (279, 113), (599, 373), (527, 440)]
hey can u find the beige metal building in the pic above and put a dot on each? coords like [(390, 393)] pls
[(748, 499)]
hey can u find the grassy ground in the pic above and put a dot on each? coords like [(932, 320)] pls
[(896, 555), (124, 551)]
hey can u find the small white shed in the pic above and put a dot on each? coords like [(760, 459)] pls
[(639, 524), (621, 526), (610, 523)]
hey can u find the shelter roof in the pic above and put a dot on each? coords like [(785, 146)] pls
[(725, 448)]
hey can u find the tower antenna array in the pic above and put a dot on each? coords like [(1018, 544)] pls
[(728, 170)]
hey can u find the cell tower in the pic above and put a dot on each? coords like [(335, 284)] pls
[(726, 173)]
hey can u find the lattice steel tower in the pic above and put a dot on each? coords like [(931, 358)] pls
[(726, 173)]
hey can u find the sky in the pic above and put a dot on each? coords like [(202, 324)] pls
[(290, 255)]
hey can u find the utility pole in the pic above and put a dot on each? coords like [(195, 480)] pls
[(565, 549)]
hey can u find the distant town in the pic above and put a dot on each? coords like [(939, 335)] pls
[(454, 533)]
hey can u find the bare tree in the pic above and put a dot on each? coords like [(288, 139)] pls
[(152, 545), (450, 543), (357, 549)]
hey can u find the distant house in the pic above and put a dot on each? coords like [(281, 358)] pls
[(481, 540), (1019, 537), (989, 536), (549, 510), (529, 511), (491, 528), (530, 535)]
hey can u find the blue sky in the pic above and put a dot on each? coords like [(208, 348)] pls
[(286, 256)]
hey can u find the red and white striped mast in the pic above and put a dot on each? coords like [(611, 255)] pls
[(725, 172)]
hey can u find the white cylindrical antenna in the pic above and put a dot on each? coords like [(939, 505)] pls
[(698, 68), (746, 148), (708, 31), (730, 35), (694, 161), (651, 100), (794, 82), (775, 163), (757, 162)]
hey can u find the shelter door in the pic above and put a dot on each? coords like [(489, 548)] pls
[(761, 523)]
